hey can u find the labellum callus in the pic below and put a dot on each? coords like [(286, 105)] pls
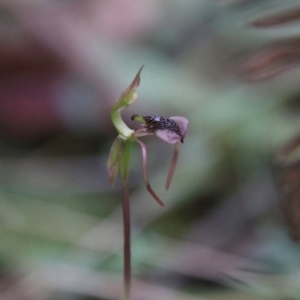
[(170, 130)]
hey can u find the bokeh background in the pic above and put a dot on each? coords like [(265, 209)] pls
[(231, 222)]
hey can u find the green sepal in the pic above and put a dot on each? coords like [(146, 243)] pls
[(124, 162), (115, 153), (126, 99)]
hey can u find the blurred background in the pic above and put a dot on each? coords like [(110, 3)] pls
[(231, 224)]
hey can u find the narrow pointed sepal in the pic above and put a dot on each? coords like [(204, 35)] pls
[(134, 84), (127, 97), (115, 153), (173, 165), (145, 174)]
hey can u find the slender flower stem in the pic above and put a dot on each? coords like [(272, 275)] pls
[(127, 241), (171, 130), (124, 168)]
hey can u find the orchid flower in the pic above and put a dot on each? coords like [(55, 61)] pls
[(171, 130)]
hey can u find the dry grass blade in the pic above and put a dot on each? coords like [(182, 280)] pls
[(82, 282), (289, 164), (278, 19), (272, 60)]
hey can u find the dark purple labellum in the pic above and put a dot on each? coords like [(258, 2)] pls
[(158, 122)]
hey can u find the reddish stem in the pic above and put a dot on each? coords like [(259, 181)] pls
[(127, 240)]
